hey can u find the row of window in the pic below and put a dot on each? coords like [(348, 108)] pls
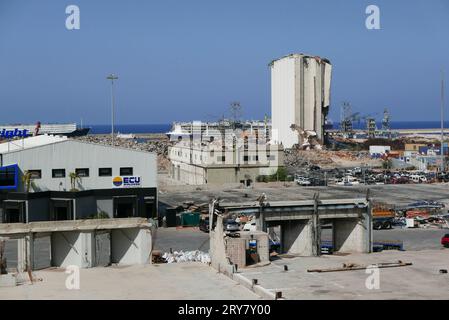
[(81, 172)]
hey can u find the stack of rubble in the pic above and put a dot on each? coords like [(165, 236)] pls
[(160, 147), (187, 256)]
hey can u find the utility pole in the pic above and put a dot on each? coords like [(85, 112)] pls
[(442, 120), (112, 77)]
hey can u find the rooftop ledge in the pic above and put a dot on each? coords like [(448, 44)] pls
[(74, 225)]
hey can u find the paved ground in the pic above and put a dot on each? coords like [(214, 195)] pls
[(398, 195), (194, 239), (422, 280), (185, 239), (412, 239), (167, 281)]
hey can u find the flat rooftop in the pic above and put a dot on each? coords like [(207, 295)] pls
[(398, 195), (421, 280), (73, 225)]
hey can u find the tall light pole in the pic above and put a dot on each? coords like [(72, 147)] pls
[(442, 120), (112, 77)]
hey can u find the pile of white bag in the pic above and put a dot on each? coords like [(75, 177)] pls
[(187, 256)]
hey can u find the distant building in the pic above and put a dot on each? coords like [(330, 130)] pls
[(204, 130), (379, 150), (300, 96), (216, 162), (55, 178)]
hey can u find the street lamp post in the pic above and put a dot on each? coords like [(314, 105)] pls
[(442, 122), (112, 77)]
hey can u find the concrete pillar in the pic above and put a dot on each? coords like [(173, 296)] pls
[(297, 237), (23, 254), (351, 235)]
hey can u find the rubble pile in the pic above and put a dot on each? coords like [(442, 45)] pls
[(160, 146), (322, 158), (300, 158), (187, 256)]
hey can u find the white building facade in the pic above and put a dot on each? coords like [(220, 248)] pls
[(56, 178)]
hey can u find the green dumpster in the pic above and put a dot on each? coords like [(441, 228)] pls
[(190, 219)]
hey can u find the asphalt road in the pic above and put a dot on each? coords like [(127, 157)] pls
[(194, 239), (185, 239)]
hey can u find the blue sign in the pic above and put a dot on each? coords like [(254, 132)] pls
[(9, 177), (7, 134)]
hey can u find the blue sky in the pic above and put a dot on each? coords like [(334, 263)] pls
[(184, 60)]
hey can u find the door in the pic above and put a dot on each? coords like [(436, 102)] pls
[(41, 251), (102, 248), (125, 207), (11, 253), (61, 209), (14, 212)]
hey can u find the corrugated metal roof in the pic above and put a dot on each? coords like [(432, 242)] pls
[(31, 142)]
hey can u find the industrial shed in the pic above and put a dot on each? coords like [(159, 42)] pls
[(49, 178)]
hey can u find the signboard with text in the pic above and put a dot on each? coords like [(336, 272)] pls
[(126, 182)]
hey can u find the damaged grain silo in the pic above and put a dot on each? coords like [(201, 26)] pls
[(300, 99)]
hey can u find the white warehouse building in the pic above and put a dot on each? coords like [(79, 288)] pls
[(300, 96), (47, 178)]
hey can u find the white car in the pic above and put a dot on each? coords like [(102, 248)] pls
[(348, 181), (250, 226), (302, 181)]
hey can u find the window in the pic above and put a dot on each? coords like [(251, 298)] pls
[(105, 172), (8, 176), (271, 157), (35, 174), (221, 158), (58, 173), (245, 158), (128, 171), (82, 172)]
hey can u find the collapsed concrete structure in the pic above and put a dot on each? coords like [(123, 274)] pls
[(300, 223), (82, 243), (300, 96), (228, 253)]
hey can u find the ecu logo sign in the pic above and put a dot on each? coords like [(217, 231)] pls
[(126, 182)]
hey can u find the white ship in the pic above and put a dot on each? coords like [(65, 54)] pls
[(64, 129)]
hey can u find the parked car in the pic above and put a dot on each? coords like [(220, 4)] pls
[(302, 181), (250, 226), (445, 240), (348, 181), (232, 226), (204, 225)]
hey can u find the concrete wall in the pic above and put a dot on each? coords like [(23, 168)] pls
[(236, 251), (300, 94), (297, 237), (219, 260), (72, 248), (283, 112), (350, 235), (131, 246), (231, 175), (72, 154)]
